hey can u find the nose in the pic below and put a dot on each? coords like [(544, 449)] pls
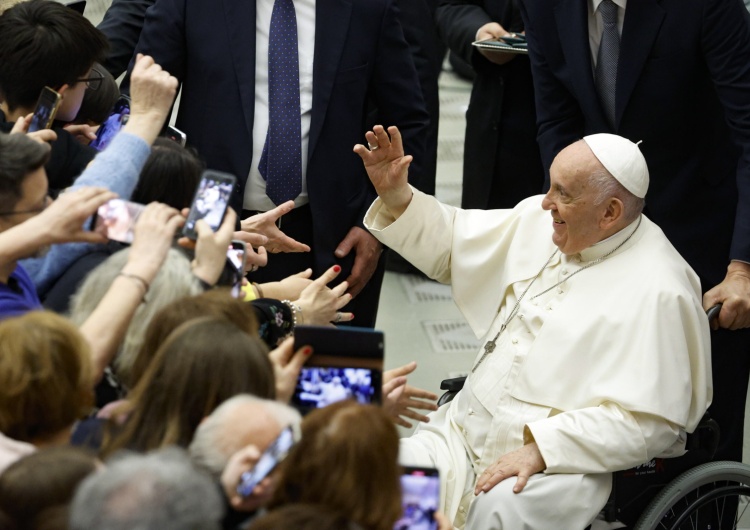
[(547, 203)]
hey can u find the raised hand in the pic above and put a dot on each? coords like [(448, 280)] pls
[(387, 167)]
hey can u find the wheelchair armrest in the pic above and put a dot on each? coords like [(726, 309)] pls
[(452, 385)]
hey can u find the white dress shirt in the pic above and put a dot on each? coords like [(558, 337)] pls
[(255, 189)]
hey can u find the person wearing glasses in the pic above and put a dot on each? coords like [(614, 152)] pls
[(63, 55)]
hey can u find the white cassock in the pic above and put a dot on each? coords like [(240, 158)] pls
[(604, 371)]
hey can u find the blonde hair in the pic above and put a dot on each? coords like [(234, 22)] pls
[(202, 363), (46, 379), (175, 280)]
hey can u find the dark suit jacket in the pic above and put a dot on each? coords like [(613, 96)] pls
[(360, 53), (500, 147), (683, 87)]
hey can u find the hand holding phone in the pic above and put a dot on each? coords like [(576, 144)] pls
[(271, 457), (116, 220), (45, 111), (236, 266), (112, 125), (210, 201)]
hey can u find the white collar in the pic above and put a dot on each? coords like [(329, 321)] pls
[(594, 4)]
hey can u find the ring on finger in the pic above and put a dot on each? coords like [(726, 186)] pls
[(338, 318), (373, 147)]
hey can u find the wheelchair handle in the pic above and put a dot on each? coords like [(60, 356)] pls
[(713, 312)]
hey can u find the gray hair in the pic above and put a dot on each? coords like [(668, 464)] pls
[(162, 490), (219, 436), (175, 280), (607, 186)]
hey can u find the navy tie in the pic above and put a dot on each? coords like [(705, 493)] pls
[(281, 161), (606, 62)]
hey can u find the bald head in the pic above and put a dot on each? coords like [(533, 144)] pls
[(240, 421)]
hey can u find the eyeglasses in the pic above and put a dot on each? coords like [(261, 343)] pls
[(93, 82)]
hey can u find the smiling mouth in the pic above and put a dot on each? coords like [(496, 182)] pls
[(558, 221)]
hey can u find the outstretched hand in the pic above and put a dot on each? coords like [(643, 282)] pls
[(402, 401), (320, 304), (387, 167), (265, 225)]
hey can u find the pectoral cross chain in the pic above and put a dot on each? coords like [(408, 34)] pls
[(489, 347)]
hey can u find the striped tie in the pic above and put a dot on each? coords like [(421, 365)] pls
[(281, 161), (606, 63)]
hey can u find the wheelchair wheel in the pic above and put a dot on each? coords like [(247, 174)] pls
[(711, 496)]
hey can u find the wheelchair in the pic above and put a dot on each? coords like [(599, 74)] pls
[(689, 492)]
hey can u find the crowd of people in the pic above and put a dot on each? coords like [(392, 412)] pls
[(138, 391)]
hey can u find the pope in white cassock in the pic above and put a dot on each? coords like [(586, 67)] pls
[(596, 353)]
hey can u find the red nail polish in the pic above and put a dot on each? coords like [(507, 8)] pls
[(336, 268), (307, 350)]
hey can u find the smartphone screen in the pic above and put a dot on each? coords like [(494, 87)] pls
[(236, 256), (210, 201), (319, 386), (275, 453), (112, 125), (116, 219), (420, 498), (46, 108)]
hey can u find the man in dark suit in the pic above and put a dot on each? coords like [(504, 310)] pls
[(682, 86), (350, 53), (502, 165)]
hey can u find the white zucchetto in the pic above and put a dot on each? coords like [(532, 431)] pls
[(623, 159)]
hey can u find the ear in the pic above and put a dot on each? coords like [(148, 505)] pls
[(613, 214), (63, 89)]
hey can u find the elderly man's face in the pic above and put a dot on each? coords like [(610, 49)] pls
[(570, 200)]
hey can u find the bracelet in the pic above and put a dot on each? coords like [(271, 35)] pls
[(296, 312), (257, 288), (143, 283)]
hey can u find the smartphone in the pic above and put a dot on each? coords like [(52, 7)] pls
[(174, 134), (46, 109), (420, 498), (344, 342), (116, 219), (271, 457), (236, 257), (210, 202), (112, 125), (319, 386)]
